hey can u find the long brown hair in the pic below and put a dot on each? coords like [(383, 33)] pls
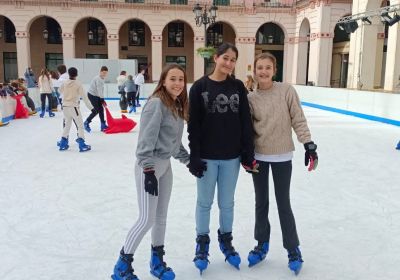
[(180, 106), (46, 73)]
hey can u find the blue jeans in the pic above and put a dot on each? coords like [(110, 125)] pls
[(224, 173)]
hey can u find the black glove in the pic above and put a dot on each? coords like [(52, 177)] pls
[(311, 156), (197, 167), (150, 182), (250, 164)]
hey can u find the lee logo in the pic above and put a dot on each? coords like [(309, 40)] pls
[(221, 103)]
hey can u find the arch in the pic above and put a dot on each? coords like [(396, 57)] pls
[(131, 19), (222, 35), (229, 24), (282, 27), (86, 18), (8, 50), (178, 45), (270, 36), (32, 20), (135, 43), (90, 40), (303, 54)]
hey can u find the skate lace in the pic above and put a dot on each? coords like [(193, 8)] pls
[(202, 252), (162, 263), (258, 250), (229, 250), (294, 256)]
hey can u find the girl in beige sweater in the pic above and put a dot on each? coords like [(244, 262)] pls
[(276, 110)]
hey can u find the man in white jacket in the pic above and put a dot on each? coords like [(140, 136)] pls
[(72, 91), (139, 81)]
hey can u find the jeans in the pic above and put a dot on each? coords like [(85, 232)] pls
[(224, 174)]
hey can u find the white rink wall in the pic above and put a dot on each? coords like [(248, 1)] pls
[(375, 105)]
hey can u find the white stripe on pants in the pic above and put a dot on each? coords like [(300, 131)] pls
[(73, 114), (152, 209)]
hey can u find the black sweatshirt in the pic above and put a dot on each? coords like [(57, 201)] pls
[(220, 124)]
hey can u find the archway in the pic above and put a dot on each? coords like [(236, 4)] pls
[(340, 58), (303, 53), (271, 38), (178, 46), (218, 33), (8, 50), (91, 39), (135, 43), (46, 45)]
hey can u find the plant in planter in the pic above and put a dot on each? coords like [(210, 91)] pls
[(206, 52)]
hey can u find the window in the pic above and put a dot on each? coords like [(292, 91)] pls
[(181, 60), (97, 55), (54, 31), (9, 31), (222, 2), (136, 33), (215, 35), (134, 1), (175, 35), (10, 66), (178, 2), (53, 60), (96, 33)]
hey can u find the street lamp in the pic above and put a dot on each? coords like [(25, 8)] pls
[(45, 34), (205, 17)]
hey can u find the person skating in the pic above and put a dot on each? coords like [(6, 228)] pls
[(72, 91), (161, 128), (96, 97), (220, 138), (276, 110)]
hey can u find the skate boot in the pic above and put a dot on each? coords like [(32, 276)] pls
[(86, 126), (51, 114), (82, 145), (258, 253), (398, 146), (42, 113), (295, 260), (132, 109), (157, 265), (103, 126), (123, 269), (63, 144), (201, 259), (225, 244)]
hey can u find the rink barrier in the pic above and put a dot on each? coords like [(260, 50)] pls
[(353, 114), (373, 106)]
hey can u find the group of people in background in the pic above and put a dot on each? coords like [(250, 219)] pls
[(129, 88), (227, 128)]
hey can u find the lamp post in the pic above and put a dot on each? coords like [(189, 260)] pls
[(205, 17)]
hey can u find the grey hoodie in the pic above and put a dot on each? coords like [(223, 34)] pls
[(72, 91), (160, 135)]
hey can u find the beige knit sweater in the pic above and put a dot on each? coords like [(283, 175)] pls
[(274, 112)]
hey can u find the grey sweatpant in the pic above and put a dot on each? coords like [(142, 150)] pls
[(73, 114), (152, 209)]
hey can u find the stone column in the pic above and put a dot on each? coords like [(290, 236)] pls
[(246, 47), (23, 51), (198, 60), (113, 46), (157, 57), (392, 71), (68, 45)]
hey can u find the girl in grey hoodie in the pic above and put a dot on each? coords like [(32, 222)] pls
[(161, 128)]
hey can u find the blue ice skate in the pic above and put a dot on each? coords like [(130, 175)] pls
[(132, 109), (157, 265), (225, 244), (258, 253), (82, 145), (295, 260), (103, 126), (201, 259), (398, 146), (51, 114), (42, 113), (63, 144), (123, 269), (86, 126)]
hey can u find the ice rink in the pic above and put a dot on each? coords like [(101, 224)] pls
[(65, 215)]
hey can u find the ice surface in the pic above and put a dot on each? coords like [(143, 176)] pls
[(65, 215)]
